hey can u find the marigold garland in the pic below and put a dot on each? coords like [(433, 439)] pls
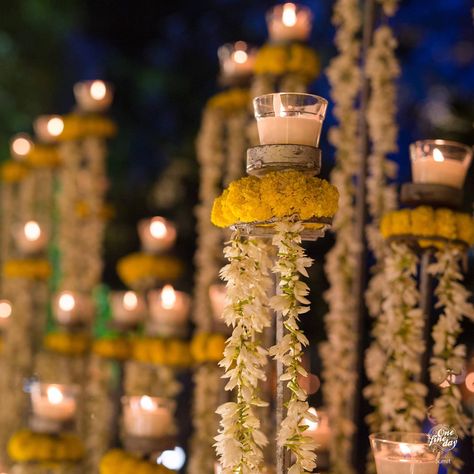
[(206, 347), (80, 126), (67, 343), (118, 348), (30, 269), (277, 60), (12, 171), (427, 225), (275, 195), (170, 352), (27, 446), (230, 101), (43, 156), (138, 269), (117, 460)]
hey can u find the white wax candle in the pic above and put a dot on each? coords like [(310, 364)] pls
[(93, 96), (447, 172), (288, 23), (53, 404), (71, 307), (386, 464), (128, 307), (30, 238), (156, 234), (169, 306), (146, 417), (217, 295), (296, 130)]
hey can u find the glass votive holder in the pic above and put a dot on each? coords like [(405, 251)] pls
[(71, 308), (93, 96), (128, 307), (30, 238), (403, 453), (440, 162), (169, 311), (54, 402), (217, 297), (289, 118), (156, 234), (48, 127), (148, 417), (6, 310), (236, 59), (21, 145), (289, 22)]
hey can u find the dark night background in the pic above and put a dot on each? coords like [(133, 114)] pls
[(161, 58)]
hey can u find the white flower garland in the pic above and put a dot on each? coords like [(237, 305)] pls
[(393, 363), (291, 302), (339, 352), (240, 440), (448, 357)]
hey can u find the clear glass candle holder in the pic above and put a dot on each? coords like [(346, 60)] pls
[(71, 308), (156, 234), (21, 145), (440, 162), (236, 59), (403, 453), (6, 310), (128, 307), (30, 238), (148, 417), (218, 299), (54, 402), (289, 22), (289, 118), (48, 127), (93, 96)]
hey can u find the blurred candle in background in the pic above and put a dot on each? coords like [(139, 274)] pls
[(156, 234), (289, 22), (93, 96)]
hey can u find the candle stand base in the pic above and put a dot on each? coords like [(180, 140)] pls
[(436, 195), (266, 158), (44, 425), (145, 446)]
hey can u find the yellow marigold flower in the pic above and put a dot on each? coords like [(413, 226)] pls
[(177, 353), (423, 221), (30, 269), (215, 347), (198, 346), (67, 343), (445, 223), (40, 156), (401, 222), (11, 171), (232, 100), (465, 228), (112, 348), (386, 225)]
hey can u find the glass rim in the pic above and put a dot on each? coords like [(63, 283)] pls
[(384, 437), (159, 401), (38, 386), (320, 99), (440, 141)]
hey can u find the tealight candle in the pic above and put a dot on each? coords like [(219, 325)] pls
[(440, 162), (149, 417), (53, 402), (236, 59), (6, 311), (169, 310), (289, 118), (217, 296), (72, 308), (156, 234), (93, 96), (289, 22), (30, 238), (48, 127), (319, 430), (128, 307), (21, 145), (403, 453)]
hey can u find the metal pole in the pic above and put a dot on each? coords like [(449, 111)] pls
[(361, 218), (426, 300)]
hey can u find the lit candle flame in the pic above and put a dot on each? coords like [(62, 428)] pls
[(289, 14), (21, 146), (32, 231), (158, 228), (5, 309), (437, 155), (130, 301), (55, 126), (168, 297), (147, 403), (98, 90), (405, 449), (240, 57), (67, 302), (55, 396)]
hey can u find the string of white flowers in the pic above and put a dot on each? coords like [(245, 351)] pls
[(448, 357), (393, 362), (339, 352), (382, 70), (240, 440), (291, 302), (207, 396)]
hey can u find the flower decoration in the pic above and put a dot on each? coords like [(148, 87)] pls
[(429, 227), (29, 269), (207, 347), (118, 460), (43, 156), (170, 352), (229, 101), (27, 446), (141, 270), (12, 171), (68, 343), (277, 60), (276, 195), (118, 348)]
